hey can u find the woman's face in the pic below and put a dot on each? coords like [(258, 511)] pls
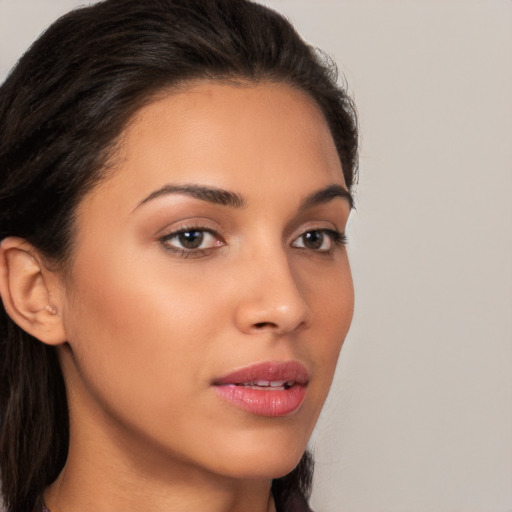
[(209, 292)]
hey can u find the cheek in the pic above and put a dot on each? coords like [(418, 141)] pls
[(329, 291), (130, 328), (332, 297)]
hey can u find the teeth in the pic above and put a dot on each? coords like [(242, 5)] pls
[(269, 384)]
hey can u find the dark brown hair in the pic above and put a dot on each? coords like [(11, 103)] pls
[(62, 109)]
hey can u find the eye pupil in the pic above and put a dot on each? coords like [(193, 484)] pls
[(191, 239), (313, 239)]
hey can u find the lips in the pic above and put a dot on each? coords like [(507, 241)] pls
[(266, 389)]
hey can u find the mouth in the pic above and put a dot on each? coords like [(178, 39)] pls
[(266, 389), (268, 385)]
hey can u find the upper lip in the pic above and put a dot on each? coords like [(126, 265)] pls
[(272, 371)]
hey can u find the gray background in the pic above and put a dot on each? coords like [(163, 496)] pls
[(420, 416)]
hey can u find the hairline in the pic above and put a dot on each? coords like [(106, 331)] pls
[(109, 161)]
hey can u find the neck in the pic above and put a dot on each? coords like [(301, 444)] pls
[(107, 487), (60, 497)]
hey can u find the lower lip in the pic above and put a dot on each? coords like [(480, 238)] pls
[(264, 402)]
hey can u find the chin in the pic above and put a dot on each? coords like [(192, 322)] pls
[(268, 469), (262, 458)]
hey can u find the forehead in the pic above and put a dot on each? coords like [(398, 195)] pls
[(235, 136)]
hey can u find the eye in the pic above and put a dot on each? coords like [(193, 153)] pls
[(320, 240), (192, 241)]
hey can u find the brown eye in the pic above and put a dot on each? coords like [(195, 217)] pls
[(191, 239), (313, 240), (319, 240)]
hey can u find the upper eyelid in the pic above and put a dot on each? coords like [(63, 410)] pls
[(188, 225), (176, 232), (329, 231), (223, 233), (314, 225)]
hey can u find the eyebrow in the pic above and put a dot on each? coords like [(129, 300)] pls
[(209, 194), (325, 195), (226, 198)]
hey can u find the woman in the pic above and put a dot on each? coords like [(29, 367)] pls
[(175, 185)]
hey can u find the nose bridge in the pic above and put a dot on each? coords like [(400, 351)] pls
[(273, 297)]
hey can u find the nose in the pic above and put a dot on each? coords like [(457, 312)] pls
[(271, 298)]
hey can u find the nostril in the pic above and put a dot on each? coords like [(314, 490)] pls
[(263, 325)]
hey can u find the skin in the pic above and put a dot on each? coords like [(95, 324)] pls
[(148, 328)]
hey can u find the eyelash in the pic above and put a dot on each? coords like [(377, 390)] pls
[(183, 252), (337, 240)]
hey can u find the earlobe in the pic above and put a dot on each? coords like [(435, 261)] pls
[(28, 291)]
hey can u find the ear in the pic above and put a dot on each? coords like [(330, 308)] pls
[(30, 291)]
